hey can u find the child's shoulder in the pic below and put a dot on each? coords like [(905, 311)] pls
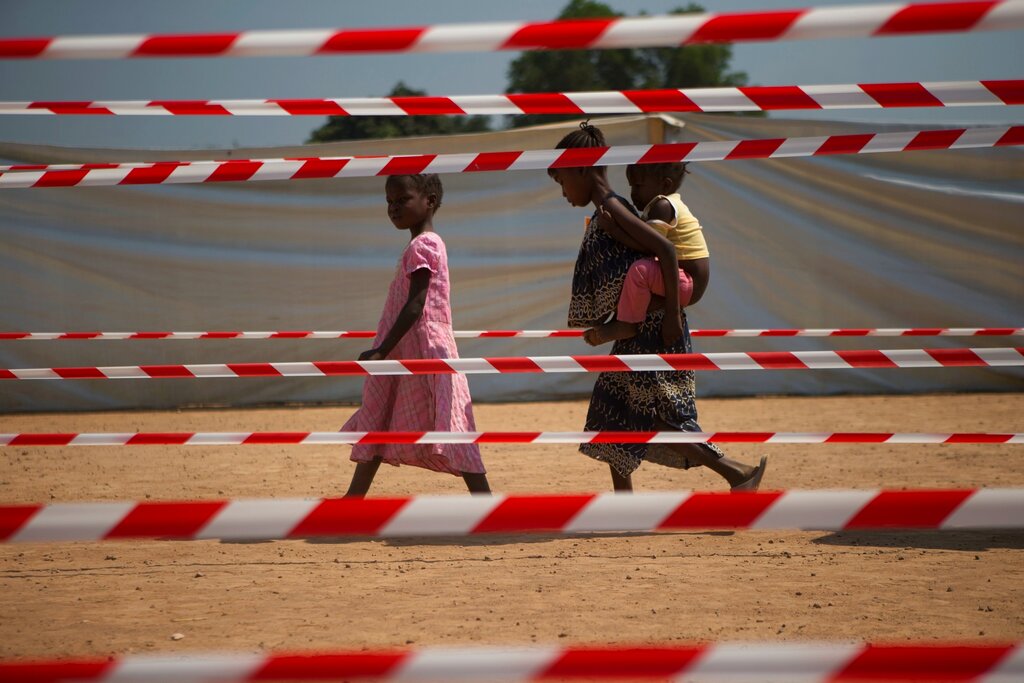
[(429, 237), (430, 241), (426, 244), (661, 209)]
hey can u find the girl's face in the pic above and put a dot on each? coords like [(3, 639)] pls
[(408, 208), (643, 187), (576, 184)]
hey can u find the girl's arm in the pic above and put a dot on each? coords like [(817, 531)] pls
[(617, 233), (653, 242), (419, 282), (625, 227)]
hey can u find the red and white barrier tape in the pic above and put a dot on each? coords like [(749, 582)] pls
[(575, 34), (520, 334), (807, 662), (555, 513), (357, 167), (506, 334), (746, 98), (103, 165), (757, 360), (334, 438)]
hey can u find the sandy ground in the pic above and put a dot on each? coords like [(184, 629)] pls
[(110, 598)]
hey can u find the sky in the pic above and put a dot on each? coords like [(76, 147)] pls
[(971, 56)]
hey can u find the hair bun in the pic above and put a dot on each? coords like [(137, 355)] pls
[(586, 136)]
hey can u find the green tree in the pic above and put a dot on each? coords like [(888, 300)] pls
[(364, 127), (693, 66)]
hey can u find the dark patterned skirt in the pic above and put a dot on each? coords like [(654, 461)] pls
[(630, 401)]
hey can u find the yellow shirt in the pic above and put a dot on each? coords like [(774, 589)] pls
[(684, 231)]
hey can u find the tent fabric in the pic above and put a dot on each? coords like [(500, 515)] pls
[(922, 239)]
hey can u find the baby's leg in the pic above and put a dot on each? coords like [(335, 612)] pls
[(633, 302), (657, 286), (642, 278)]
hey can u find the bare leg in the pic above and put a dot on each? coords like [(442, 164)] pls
[(362, 478), (621, 483), (734, 472), (476, 482), (616, 329)]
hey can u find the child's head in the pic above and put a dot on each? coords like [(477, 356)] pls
[(647, 181), (413, 199), (577, 183)]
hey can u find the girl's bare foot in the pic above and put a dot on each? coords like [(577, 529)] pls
[(613, 331)]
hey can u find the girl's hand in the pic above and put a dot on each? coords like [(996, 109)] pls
[(671, 328), (373, 354), (605, 221)]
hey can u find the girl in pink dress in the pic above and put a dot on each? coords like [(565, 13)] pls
[(416, 323)]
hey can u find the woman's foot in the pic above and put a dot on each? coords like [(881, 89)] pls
[(752, 482), (613, 331)]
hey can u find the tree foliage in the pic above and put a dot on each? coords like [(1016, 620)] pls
[(693, 66), (364, 127)]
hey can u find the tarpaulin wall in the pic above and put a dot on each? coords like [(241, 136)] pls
[(923, 239)]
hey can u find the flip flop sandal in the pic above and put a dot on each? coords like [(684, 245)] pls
[(754, 480)]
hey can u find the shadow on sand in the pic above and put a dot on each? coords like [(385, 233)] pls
[(967, 541)]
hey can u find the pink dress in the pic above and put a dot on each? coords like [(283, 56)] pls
[(419, 403)]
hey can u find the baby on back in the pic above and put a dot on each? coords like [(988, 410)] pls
[(655, 187)]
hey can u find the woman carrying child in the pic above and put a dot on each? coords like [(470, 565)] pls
[(615, 238)]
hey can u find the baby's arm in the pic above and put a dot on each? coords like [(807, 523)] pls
[(419, 282), (650, 241), (699, 269)]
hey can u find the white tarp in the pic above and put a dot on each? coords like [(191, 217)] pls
[(923, 239)]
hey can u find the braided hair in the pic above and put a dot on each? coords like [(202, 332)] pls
[(586, 136)]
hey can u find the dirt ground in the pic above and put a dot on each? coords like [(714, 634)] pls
[(88, 599)]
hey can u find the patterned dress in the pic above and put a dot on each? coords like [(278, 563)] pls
[(629, 401), (419, 403)]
